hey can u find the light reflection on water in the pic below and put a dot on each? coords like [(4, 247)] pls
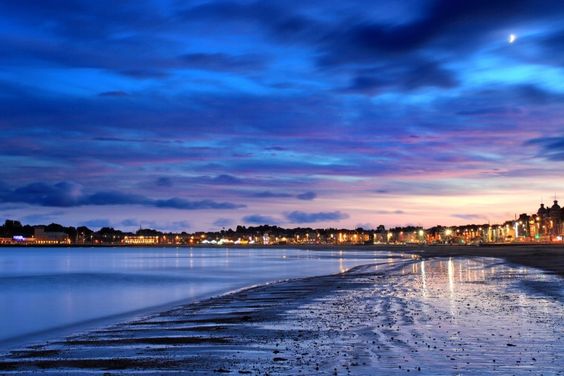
[(423, 278), (459, 316), (484, 317), (42, 289)]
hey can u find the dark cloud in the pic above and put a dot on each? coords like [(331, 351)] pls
[(303, 217), (402, 77), (269, 194), (448, 26), (551, 48), (533, 94), (257, 219), (275, 148), (223, 179), (551, 148), (62, 194), (280, 21), (65, 194), (307, 196), (179, 203), (487, 111), (85, 34), (161, 120)]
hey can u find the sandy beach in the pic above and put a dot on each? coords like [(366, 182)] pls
[(428, 310)]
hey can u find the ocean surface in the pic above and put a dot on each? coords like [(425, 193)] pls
[(46, 293)]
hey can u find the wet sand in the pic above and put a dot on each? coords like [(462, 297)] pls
[(549, 258), (431, 311), (546, 257)]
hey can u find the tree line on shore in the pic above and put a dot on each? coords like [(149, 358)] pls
[(12, 228)]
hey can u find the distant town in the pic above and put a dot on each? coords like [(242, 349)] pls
[(544, 226)]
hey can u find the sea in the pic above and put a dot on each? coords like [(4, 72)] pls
[(48, 293)]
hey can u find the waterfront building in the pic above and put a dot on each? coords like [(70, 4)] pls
[(555, 221), (50, 237), (522, 228), (544, 220), (535, 226), (548, 223), (140, 240)]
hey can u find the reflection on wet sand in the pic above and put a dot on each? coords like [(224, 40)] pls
[(485, 312)]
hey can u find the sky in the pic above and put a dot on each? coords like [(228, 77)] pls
[(202, 115)]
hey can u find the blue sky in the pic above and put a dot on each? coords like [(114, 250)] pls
[(195, 115)]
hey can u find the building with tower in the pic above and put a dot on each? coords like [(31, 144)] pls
[(555, 219), (548, 223)]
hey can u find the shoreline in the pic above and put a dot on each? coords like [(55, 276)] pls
[(38, 337), (317, 325)]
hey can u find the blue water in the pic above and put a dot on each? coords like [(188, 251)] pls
[(46, 293)]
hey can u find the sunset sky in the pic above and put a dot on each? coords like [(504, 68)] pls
[(198, 115)]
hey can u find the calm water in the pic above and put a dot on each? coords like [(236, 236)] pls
[(49, 292)]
